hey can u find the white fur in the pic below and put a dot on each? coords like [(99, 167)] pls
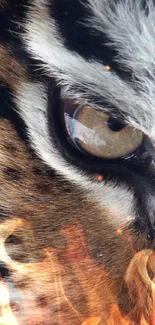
[(132, 34), (130, 31)]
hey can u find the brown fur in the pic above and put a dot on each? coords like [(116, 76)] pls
[(66, 263), (11, 71), (63, 231)]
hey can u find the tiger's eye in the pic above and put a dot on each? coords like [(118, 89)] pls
[(95, 133)]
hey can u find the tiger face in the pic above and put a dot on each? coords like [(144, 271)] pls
[(77, 159)]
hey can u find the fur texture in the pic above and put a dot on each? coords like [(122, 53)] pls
[(130, 31), (76, 232)]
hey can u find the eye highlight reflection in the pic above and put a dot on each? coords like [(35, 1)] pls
[(95, 133)]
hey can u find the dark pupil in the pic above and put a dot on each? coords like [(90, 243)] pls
[(115, 125)]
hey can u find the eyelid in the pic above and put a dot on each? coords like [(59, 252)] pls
[(72, 104)]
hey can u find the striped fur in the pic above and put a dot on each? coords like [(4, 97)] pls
[(79, 219)]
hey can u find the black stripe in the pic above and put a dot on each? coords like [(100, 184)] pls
[(12, 16), (4, 272), (8, 111), (70, 17)]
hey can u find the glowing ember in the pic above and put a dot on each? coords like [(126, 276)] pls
[(108, 68), (119, 231), (100, 178)]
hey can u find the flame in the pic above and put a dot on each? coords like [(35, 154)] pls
[(144, 322), (117, 318), (78, 287), (92, 321)]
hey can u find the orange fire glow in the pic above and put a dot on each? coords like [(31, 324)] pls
[(92, 321), (117, 319), (69, 287)]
